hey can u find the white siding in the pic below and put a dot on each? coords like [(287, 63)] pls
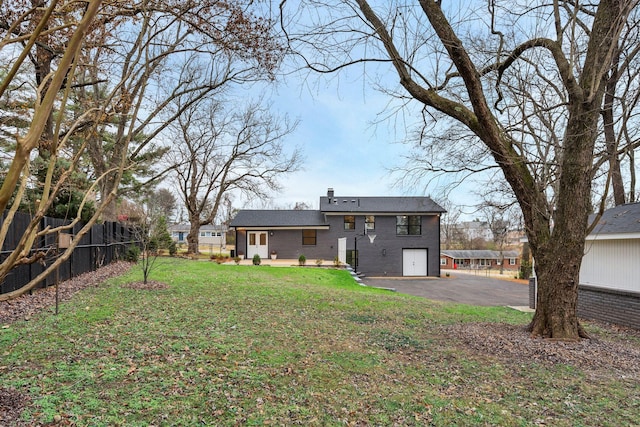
[(612, 264)]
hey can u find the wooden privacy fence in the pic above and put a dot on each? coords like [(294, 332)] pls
[(103, 244)]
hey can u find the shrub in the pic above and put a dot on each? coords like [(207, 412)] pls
[(237, 259), (319, 262), (336, 262), (173, 249), (302, 260), (256, 259), (132, 254), (153, 245)]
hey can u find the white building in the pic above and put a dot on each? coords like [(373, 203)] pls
[(215, 235), (612, 251)]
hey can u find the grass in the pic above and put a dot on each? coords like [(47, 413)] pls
[(247, 345)]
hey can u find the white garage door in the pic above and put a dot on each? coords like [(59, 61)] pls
[(414, 262)]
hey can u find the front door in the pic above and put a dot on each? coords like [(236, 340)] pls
[(257, 244)]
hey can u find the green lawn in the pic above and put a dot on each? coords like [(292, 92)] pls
[(249, 345)]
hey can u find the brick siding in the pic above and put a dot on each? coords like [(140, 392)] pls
[(607, 305)]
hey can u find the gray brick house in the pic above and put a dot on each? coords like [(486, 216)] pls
[(379, 236)]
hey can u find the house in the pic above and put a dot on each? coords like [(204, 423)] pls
[(378, 236), (476, 230), (215, 235), (609, 287), (609, 284), (479, 259)]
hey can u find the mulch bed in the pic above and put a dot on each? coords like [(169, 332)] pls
[(609, 350), (27, 305)]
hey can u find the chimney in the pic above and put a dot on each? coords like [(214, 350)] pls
[(330, 193)]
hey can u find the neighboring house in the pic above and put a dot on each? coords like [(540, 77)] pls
[(610, 270), (479, 259), (215, 235), (476, 230), (609, 286), (378, 236)]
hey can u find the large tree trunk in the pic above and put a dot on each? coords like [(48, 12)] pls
[(109, 185), (557, 297), (559, 257), (193, 241)]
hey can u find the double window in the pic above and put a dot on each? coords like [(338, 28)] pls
[(408, 225)]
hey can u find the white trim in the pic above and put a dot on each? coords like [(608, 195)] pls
[(365, 213), (613, 236), (302, 227)]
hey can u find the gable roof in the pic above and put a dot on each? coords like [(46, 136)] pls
[(187, 227), (279, 219), (616, 222), (379, 205), (478, 254)]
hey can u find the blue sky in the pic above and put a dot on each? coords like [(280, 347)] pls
[(342, 146)]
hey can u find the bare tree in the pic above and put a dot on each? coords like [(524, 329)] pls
[(172, 50), (17, 175), (431, 50), (106, 93), (151, 235), (450, 235), (161, 202), (224, 152)]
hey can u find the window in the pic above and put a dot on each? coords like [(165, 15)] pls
[(349, 222), (369, 223), (512, 261), (409, 225), (202, 234), (443, 261), (309, 237)]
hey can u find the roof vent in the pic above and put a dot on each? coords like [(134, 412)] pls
[(330, 192)]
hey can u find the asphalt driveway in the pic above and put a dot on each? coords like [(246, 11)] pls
[(461, 288)]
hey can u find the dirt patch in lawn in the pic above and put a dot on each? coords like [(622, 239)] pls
[(12, 402), (151, 285)]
